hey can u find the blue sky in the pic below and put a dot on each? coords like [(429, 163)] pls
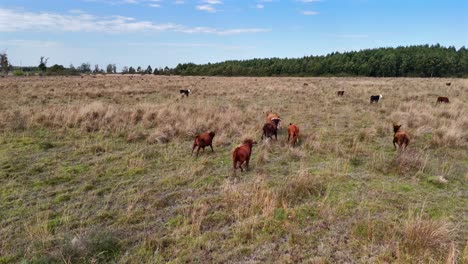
[(168, 32)]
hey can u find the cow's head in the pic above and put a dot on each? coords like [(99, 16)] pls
[(250, 142), (276, 121), (212, 134), (396, 128)]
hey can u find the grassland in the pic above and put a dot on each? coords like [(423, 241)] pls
[(98, 170)]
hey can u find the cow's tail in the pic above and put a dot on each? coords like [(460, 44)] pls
[(195, 143), (234, 158)]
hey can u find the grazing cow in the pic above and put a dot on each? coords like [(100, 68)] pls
[(273, 118), (375, 98), (442, 99), (400, 137), (306, 84), (293, 134), (203, 140), (242, 154), (448, 84), (340, 93), (270, 130), (185, 92)]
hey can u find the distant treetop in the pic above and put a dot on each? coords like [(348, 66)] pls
[(411, 61)]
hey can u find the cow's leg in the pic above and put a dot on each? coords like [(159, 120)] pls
[(276, 136), (193, 148), (198, 150), (240, 165), (211, 146), (394, 141), (247, 163)]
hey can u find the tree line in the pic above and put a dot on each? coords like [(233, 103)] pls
[(411, 61)]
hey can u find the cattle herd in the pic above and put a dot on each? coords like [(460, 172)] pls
[(242, 153)]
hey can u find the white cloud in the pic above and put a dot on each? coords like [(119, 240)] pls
[(348, 36), (212, 2), (17, 21), (29, 43), (154, 5), (309, 13), (207, 8), (189, 45), (208, 5), (309, 1), (123, 2), (259, 6)]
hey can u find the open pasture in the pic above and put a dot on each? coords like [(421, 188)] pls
[(99, 169)]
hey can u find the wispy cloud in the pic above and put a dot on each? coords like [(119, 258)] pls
[(309, 13), (212, 2), (207, 8), (189, 45), (348, 36), (20, 21), (153, 3), (29, 43)]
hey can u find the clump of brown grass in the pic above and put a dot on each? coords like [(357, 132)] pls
[(161, 135), (450, 137), (426, 237), (297, 153), (304, 185), (367, 134), (409, 160), (249, 199), (313, 142), (195, 217), (14, 121), (136, 136)]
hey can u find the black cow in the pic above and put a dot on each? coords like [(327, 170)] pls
[(375, 98), (185, 92)]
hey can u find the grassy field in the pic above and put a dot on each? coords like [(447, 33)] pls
[(98, 170)]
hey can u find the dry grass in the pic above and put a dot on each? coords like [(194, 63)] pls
[(98, 170), (429, 238)]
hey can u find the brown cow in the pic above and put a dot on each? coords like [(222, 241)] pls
[(340, 93), (293, 134), (448, 84), (202, 141), (270, 130), (400, 137), (242, 154), (442, 99)]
